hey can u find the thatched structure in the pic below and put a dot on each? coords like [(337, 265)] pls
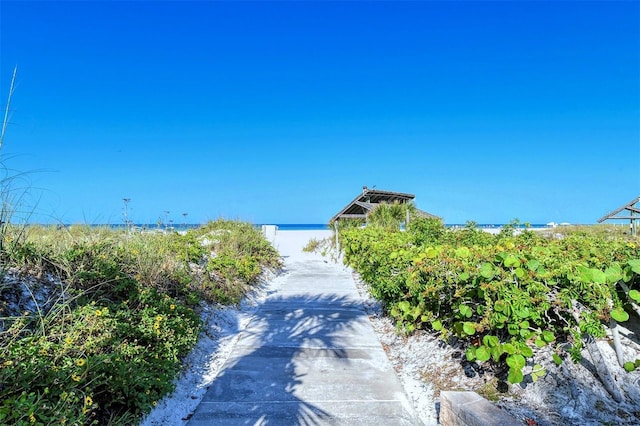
[(369, 199), (632, 209)]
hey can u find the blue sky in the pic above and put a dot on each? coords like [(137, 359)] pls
[(279, 112)]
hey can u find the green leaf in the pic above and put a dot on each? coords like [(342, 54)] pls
[(538, 372), (556, 359), (466, 311), (431, 252), (487, 271), (404, 306), (524, 324), (599, 277), (629, 366), (526, 334), (490, 340), (471, 353), (516, 361), (482, 353), (519, 273), (548, 336), (525, 350), (613, 273), (511, 260), (515, 375), (436, 325), (619, 315), (533, 264), (416, 312), (469, 328), (635, 265), (522, 312), (635, 295), (500, 320), (509, 348), (513, 329), (540, 343), (496, 352), (463, 252), (627, 274), (463, 276), (585, 275)]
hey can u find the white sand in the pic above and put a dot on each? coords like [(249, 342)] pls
[(291, 243)]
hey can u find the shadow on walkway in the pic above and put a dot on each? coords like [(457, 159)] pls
[(297, 353)]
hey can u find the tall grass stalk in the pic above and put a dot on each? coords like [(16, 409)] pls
[(7, 109)]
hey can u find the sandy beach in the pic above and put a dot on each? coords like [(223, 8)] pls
[(291, 243)]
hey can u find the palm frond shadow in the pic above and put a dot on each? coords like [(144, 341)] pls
[(265, 378)]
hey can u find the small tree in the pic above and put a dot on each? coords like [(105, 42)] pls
[(391, 215)]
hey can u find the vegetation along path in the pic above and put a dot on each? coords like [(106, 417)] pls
[(308, 356)]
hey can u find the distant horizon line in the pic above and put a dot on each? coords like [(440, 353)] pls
[(301, 224)]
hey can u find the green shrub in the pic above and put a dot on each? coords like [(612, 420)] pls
[(502, 295), (426, 230), (312, 246), (121, 357), (112, 344)]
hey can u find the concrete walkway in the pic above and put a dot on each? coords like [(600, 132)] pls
[(309, 356)]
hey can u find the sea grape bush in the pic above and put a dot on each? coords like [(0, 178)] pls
[(501, 294)]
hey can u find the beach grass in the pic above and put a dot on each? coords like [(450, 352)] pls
[(95, 321)]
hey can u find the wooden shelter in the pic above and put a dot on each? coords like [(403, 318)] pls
[(363, 204), (632, 211)]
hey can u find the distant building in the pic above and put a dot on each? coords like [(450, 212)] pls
[(369, 199)]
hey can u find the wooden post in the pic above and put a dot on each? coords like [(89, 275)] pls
[(406, 223), (335, 227)]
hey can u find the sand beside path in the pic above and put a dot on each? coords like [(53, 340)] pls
[(300, 350), (290, 243), (309, 354)]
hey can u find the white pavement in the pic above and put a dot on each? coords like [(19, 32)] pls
[(309, 355)]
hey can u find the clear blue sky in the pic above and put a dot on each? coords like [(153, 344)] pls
[(279, 112)]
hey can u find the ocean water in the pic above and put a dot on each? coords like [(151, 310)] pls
[(291, 226), (497, 225), (186, 226)]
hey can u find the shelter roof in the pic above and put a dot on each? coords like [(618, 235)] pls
[(631, 207), (365, 202)]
